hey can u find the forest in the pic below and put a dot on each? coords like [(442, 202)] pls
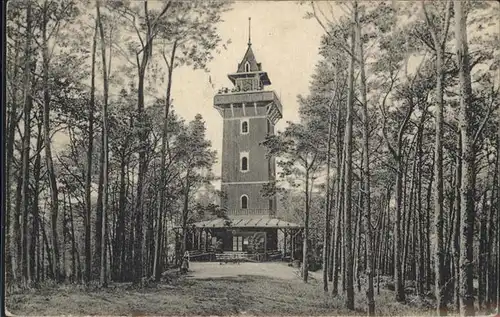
[(400, 139), (393, 167), (91, 140)]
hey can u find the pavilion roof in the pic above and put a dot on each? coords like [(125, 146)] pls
[(246, 222)]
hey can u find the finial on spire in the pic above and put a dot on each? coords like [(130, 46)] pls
[(249, 30)]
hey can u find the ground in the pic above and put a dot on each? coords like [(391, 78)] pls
[(276, 270), (209, 289)]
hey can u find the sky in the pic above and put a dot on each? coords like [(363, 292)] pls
[(282, 40)]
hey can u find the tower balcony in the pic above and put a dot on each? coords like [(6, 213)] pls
[(249, 212), (263, 97)]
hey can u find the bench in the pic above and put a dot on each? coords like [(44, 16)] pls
[(236, 257)]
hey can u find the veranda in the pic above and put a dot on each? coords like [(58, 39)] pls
[(241, 239)]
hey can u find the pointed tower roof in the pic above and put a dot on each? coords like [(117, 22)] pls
[(249, 66), (252, 61)]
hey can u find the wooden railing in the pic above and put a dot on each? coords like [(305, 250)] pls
[(245, 256), (201, 256), (231, 256), (248, 96), (248, 212)]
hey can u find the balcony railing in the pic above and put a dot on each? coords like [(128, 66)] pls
[(250, 96), (226, 90), (248, 212)]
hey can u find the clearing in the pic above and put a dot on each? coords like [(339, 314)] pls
[(203, 270), (208, 289)]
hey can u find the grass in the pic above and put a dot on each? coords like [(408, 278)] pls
[(250, 295)]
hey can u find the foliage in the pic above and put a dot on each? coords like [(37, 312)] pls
[(62, 75)]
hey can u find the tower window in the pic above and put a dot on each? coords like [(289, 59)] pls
[(244, 127), (244, 164), (244, 161), (247, 67), (244, 201)]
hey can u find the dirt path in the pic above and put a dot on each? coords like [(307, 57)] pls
[(201, 270), (210, 289)]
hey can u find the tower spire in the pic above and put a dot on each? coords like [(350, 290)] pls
[(249, 30)]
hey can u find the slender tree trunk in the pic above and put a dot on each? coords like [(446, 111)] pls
[(47, 247), (25, 170), (456, 240), (366, 185), (399, 283), (185, 215), (468, 163), (36, 210), (305, 248), (88, 176), (438, 192), (338, 201), (410, 218), (420, 231), (139, 216), (161, 201), (123, 214), (114, 257), (450, 231), (54, 192), (42, 256), (64, 235), (482, 264), (388, 250), (16, 223), (98, 218), (131, 237), (103, 275), (491, 279), (498, 226), (328, 201), (10, 217), (333, 232), (338, 237), (428, 267), (358, 230), (348, 174), (14, 235), (403, 206), (74, 270), (381, 246), (120, 229)]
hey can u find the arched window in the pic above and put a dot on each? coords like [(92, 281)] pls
[(244, 202), (244, 127), (247, 67), (244, 167), (244, 163)]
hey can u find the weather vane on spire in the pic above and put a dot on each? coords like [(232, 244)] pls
[(249, 30)]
